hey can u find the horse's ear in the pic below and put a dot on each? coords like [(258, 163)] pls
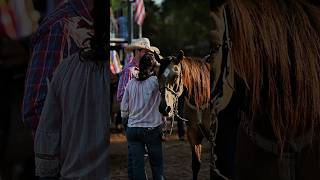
[(179, 57), (216, 4), (157, 57)]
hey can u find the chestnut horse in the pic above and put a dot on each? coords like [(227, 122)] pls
[(276, 55), (178, 74)]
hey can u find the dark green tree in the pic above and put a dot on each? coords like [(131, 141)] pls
[(178, 24)]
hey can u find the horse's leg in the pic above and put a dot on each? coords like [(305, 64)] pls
[(195, 137), (196, 161)]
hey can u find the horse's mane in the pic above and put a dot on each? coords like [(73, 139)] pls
[(276, 51), (196, 79)]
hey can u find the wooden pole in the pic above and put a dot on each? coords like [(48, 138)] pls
[(140, 31)]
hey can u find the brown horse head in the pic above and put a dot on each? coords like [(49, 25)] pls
[(183, 73), (216, 35), (220, 65), (170, 83)]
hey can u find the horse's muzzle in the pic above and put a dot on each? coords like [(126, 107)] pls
[(164, 109)]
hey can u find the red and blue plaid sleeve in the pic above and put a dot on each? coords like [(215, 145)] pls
[(47, 52)]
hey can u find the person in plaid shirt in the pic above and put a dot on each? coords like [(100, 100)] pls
[(61, 34)]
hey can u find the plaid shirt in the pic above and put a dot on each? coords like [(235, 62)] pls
[(129, 71), (60, 35)]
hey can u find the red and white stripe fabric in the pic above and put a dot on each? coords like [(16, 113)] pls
[(140, 12)]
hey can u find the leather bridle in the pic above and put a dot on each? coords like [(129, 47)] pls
[(175, 92), (215, 96)]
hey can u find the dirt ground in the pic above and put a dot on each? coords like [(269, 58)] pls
[(177, 155)]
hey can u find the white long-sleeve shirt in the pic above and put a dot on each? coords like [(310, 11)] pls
[(140, 103)]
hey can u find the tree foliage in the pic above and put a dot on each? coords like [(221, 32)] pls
[(178, 24)]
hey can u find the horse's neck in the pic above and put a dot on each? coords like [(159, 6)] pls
[(189, 101), (190, 98)]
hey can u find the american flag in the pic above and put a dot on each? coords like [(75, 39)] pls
[(140, 12)]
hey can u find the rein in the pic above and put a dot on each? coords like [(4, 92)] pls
[(216, 94), (226, 45)]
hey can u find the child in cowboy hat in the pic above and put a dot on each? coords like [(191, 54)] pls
[(139, 47), (139, 107)]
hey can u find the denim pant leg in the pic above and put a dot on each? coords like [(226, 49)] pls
[(130, 165), (130, 173), (154, 145), (136, 151)]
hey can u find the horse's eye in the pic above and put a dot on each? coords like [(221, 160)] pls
[(216, 47)]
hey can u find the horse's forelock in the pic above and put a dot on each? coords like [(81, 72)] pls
[(164, 64)]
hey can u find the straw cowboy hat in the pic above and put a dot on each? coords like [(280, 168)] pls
[(143, 43)]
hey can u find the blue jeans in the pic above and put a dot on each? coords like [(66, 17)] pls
[(138, 138)]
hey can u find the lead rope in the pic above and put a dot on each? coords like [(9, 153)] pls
[(214, 171), (175, 110)]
